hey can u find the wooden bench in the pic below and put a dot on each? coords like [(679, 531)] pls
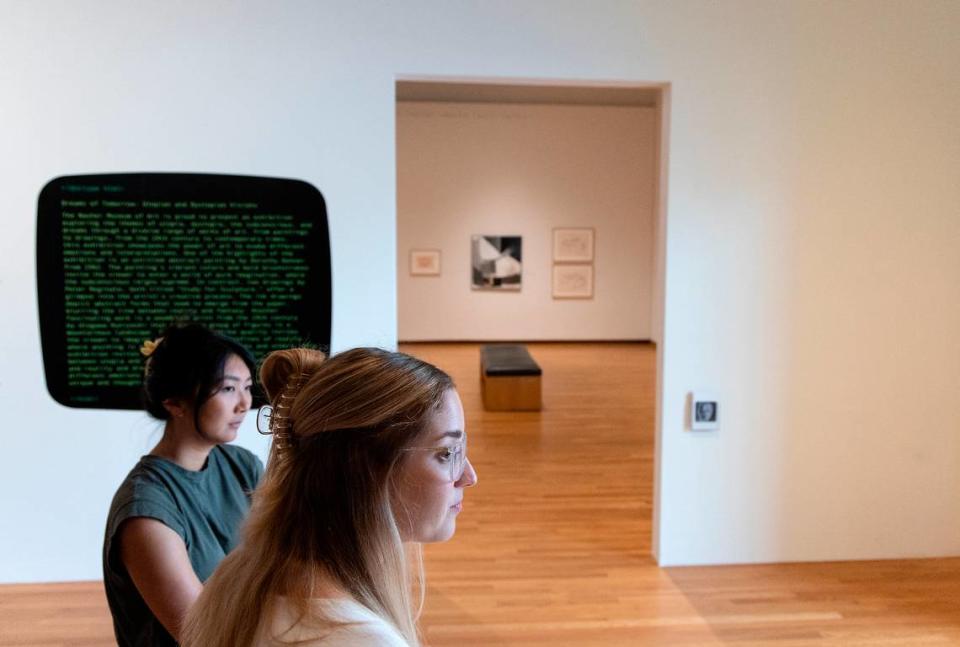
[(509, 378)]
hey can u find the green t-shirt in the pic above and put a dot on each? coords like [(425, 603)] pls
[(206, 508)]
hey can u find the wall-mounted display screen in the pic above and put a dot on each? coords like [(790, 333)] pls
[(119, 257)]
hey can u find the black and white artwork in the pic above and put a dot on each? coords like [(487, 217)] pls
[(704, 411), (496, 262)]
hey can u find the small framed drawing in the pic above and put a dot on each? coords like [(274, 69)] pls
[(424, 262), (573, 281), (573, 245)]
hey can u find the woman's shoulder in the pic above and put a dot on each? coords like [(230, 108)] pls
[(364, 625), (145, 492), (146, 481), (353, 625)]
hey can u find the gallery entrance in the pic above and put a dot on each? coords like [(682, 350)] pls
[(531, 212)]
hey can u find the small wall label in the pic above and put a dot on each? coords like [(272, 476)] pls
[(704, 411)]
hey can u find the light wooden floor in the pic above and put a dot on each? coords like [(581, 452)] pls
[(553, 544)]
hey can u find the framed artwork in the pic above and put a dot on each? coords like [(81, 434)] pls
[(704, 411), (424, 262), (496, 262), (573, 245), (573, 281)]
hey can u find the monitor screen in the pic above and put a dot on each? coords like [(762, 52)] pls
[(120, 257)]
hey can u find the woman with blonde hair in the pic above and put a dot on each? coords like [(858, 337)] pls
[(368, 460)]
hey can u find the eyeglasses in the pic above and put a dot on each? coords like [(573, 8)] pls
[(454, 458), (263, 419)]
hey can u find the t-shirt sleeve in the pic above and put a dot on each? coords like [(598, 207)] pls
[(143, 501), (153, 509)]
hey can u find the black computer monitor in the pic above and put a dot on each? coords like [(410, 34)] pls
[(121, 256)]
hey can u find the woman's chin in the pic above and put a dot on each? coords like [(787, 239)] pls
[(446, 532), (228, 435)]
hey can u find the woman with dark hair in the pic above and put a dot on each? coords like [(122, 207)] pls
[(368, 462), (178, 512)]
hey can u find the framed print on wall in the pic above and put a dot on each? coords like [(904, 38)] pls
[(573, 281), (424, 262), (573, 245), (496, 262)]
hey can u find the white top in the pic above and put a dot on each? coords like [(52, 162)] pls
[(368, 630)]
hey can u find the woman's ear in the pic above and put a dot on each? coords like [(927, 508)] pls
[(175, 407)]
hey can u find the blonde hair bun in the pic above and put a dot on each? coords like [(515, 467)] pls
[(281, 365)]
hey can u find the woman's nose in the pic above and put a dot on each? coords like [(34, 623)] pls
[(469, 478)]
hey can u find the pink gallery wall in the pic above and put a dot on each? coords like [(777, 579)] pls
[(523, 170)]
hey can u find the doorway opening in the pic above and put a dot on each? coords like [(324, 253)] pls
[(537, 163)]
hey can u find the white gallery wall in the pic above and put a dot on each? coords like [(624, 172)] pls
[(812, 273), (522, 170)]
